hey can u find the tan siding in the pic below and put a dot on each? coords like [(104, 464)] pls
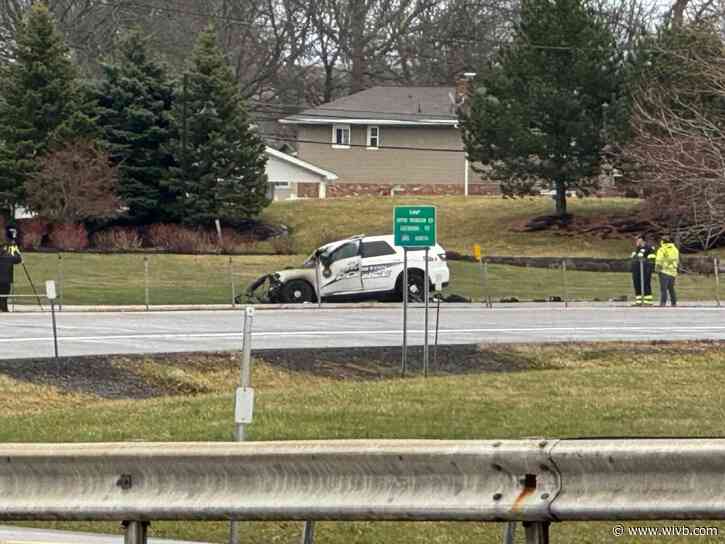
[(390, 166)]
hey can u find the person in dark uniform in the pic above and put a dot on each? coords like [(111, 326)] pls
[(9, 257), (643, 259)]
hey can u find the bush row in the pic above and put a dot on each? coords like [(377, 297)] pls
[(37, 233)]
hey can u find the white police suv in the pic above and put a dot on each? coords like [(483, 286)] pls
[(361, 267)]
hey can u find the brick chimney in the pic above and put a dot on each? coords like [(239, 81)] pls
[(464, 88)]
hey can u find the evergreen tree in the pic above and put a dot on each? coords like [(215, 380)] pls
[(42, 102), (539, 112), (135, 99), (221, 173)]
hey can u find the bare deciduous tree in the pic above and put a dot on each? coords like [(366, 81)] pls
[(73, 184), (86, 24), (678, 149)]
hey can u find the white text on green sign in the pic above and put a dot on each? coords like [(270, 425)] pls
[(415, 226)]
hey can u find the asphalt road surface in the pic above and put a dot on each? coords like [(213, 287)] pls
[(25, 335)]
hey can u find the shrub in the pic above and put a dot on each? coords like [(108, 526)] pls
[(32, 231), (167, 237), (161, 236), (69, 237), (236, 243), (118, 239), (2, 230)]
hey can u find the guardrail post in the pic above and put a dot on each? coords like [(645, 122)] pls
[(136, 532), (146, 280), (60, 282), (537, 532), (308, 533), (231, 282), (716, 265), (509, 533)]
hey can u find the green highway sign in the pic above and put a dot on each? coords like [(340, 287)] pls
[(414, 226)]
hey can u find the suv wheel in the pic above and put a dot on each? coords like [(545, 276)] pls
[(416, 287), (297, 292)]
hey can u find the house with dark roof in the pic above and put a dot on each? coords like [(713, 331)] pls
[(388, 140)]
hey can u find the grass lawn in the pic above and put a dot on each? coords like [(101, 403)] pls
[(173, 279), (207, 279), (462, 222), (541, 283), (560, 391)]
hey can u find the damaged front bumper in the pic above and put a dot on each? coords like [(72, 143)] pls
[(255, 292)]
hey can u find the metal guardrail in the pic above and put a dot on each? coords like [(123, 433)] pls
[(537, 481)]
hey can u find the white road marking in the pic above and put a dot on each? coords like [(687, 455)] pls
[(159, 336)]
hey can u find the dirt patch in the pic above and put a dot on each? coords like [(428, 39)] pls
[(600, 226), (385, 362), (141, 376), (97, 375)]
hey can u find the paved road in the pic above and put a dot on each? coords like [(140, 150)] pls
[(29, 335)]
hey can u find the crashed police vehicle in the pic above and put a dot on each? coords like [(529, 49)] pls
[(361, 267)]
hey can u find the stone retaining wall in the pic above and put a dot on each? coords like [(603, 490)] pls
[(382, 189)]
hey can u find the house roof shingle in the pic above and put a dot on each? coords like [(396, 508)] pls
[(398, 105)]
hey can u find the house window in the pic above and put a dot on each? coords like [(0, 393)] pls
[(281, 184), (341, 136), (373, 137)]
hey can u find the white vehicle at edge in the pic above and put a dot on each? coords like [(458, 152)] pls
[(361, 267)]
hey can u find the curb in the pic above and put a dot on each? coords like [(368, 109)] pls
[(340, 306)]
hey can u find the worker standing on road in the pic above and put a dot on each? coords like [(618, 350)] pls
[(9, 257), (667, 261), (643, 259)]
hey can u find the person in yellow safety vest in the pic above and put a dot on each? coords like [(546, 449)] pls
[(643, 261), (667, 261)]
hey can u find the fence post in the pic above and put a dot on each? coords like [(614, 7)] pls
[(566, 287), (486, 295), (231, 282), (146, 280), (716, 265), (60, 282)]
